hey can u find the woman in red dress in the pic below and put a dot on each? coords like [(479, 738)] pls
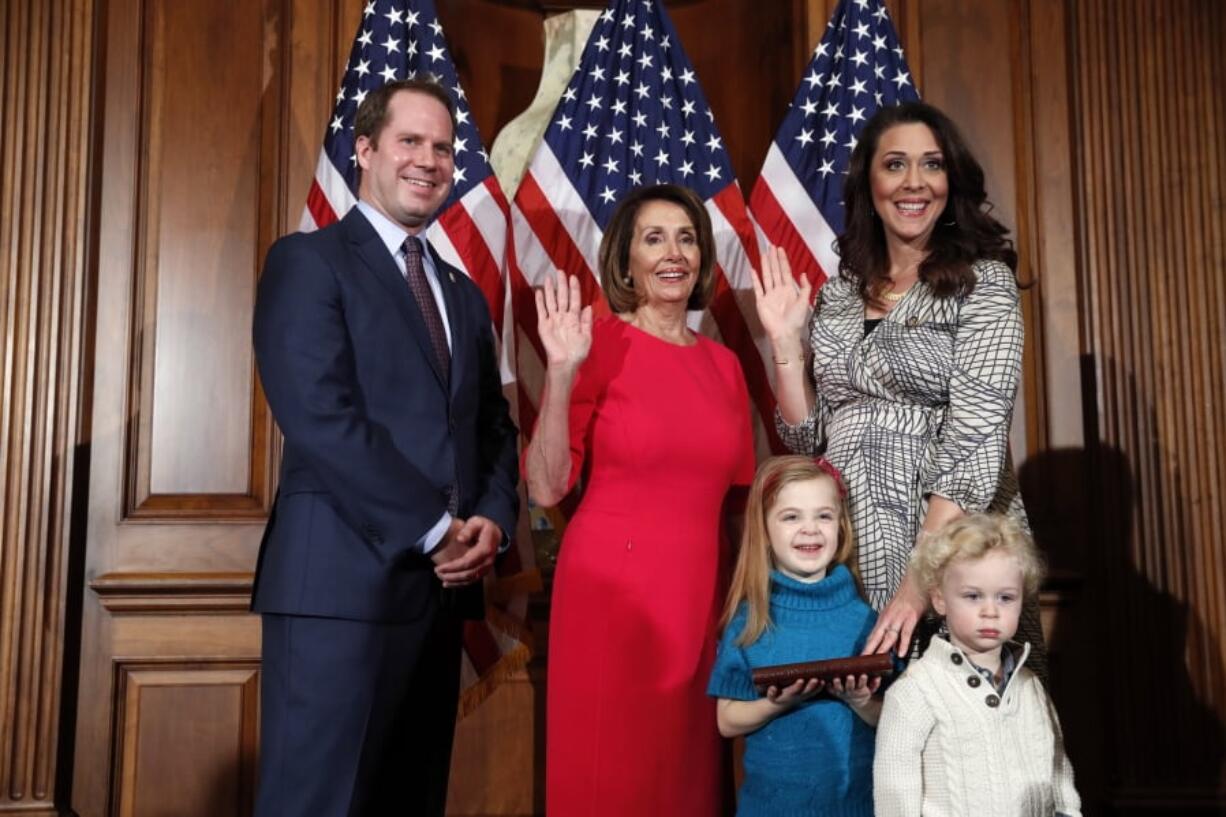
[(657, 419)]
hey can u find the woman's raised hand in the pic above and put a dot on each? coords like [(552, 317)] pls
[(564, 328), (783, 304)]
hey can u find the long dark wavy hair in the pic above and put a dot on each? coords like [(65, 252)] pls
[(965, 232)]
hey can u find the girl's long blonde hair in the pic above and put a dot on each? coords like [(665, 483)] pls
[(751, 579)]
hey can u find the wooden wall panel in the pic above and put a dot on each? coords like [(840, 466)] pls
[(175, 740), (1046, 226), (46, 54), (1150, 135), (963, 56), (199, 143), (968, 74), (199, 438)]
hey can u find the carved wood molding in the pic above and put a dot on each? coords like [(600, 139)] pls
[(46, 50), (176, 593)]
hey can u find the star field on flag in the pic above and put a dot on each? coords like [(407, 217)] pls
[(857, 68)]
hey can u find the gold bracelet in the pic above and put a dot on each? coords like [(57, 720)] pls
[(781, 361)]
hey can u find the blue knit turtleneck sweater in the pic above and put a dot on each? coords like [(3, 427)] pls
[(817, 760)]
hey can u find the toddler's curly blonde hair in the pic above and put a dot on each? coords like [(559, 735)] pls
[(972, 537)]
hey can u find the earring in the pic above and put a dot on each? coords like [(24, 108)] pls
[(628, 281)]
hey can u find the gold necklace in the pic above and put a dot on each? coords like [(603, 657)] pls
[(895, 297)]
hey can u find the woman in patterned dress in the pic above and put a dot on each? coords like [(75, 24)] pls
[(915, 351)]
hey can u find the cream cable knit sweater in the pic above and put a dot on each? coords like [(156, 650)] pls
[(949, 746)]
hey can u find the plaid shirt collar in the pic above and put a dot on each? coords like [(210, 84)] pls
[(1008, 665)]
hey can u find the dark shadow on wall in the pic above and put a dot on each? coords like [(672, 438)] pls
[(1142, 737), (74, 587)]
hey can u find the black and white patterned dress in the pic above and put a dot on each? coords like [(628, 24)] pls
[(921, 405)]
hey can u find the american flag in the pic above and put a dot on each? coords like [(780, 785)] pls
[(402, 39), (857, 68), (632, 114)]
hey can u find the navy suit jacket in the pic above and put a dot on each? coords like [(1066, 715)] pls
[(373, 439)]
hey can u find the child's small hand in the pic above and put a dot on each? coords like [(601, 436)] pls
[(855, 692), (798, 691)]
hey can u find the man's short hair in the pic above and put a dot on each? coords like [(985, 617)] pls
[(372, 113)]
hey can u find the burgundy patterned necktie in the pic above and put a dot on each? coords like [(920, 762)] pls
[(415, 272), (420, 287)]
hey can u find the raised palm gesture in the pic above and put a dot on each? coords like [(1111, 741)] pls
[(564, 328), (783, 304)]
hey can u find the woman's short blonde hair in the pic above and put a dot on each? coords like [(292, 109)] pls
[(614, 259), (972, 537)]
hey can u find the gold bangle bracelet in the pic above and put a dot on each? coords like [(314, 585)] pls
[(780, 361)]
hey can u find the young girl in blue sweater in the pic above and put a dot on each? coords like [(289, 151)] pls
[(795, 597)]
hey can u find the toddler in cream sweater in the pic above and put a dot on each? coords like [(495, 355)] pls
[(968, 729)]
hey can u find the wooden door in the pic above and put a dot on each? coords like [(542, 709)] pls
[(203, 108)]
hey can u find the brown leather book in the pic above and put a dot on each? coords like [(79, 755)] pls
[(783, 675)]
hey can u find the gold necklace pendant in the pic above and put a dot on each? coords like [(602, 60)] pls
[(895, 297)]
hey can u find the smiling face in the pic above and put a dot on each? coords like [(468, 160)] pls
[(803, 527), (981, 600), (664, 254), (407, 175), (909, 183)]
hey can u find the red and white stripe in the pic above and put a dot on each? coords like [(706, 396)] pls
[(788, 217), (328, 199)]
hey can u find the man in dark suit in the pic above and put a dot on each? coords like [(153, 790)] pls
[(397, 482)]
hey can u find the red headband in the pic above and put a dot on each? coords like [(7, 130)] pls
[(825, 465)]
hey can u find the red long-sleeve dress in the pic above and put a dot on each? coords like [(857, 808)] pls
[(662, 433)]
